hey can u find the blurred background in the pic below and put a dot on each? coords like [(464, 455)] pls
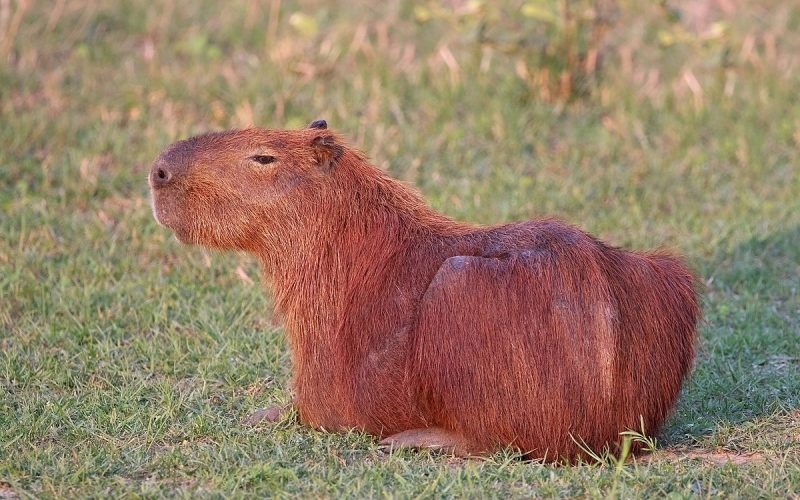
[(672, 123), (494, 109)]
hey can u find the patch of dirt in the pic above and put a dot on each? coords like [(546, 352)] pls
[(795, 421), (6, 492), (778, 362), (717, 457)]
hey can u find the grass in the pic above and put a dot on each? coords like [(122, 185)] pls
[(128, 362)]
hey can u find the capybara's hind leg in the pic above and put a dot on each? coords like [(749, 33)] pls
[(432, 438)]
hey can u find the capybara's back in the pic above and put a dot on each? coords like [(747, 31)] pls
[(429, 332), (557, 343)]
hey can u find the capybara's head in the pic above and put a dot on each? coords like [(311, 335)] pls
[(222, 189)]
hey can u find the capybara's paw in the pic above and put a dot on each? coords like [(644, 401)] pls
[(264, 415), (431, 438)]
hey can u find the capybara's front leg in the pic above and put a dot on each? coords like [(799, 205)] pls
[(432, 438)]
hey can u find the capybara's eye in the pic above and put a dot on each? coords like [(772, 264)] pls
[(263, 159)]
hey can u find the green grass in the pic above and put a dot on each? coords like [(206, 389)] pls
[(128, 362)]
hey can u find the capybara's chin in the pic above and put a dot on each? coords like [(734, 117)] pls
[(168, 214), (162, 212), (184, 236)]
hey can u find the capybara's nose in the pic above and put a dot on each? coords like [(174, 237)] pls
[(160, 175)]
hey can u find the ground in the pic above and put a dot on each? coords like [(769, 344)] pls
[(129, 364)]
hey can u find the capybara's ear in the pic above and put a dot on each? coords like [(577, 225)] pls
[(320, 124), (327, 150)]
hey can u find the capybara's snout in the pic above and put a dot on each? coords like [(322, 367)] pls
[(172, 164)]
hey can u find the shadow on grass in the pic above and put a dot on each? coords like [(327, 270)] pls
[(748, 363)]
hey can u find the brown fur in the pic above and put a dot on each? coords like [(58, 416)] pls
[(533, 335)]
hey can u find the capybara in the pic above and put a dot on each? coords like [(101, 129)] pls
[(428, 332)]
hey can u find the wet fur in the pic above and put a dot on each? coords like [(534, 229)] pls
[(533, 335)]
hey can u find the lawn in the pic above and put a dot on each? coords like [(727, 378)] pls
[(128, 363)]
